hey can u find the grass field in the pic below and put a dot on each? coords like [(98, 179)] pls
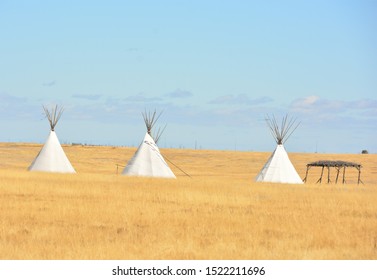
[(219, 213)]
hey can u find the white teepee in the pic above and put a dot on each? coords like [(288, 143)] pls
[(147, 160), (278, 168), (51, 157)]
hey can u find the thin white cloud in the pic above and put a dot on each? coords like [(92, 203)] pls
[(142, 98), (87, 96), (323, 113), (230, 99), (178, 93), (365, 104), (307, 101), (240, 99), (49, 84), (321, 108), (14, 107), (315, 104), (7, 100)]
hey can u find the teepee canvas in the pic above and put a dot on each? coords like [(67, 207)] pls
[(147, 160), (278, 168), (52, 158)]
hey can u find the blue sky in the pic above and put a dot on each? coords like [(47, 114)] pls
[(215, 68)]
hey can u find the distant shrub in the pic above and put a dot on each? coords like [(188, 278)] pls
[(77, 144), (364, 152)]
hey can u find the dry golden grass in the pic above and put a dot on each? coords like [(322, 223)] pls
[(221, 213)]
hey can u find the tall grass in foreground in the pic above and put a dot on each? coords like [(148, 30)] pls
[(218, 214)]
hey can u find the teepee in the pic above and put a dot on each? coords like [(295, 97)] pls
[(147, 160), (278, 168), (51, 157)]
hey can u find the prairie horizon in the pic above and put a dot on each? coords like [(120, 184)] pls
[(218, 213)]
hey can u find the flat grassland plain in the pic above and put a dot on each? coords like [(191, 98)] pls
[(219, 213)]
